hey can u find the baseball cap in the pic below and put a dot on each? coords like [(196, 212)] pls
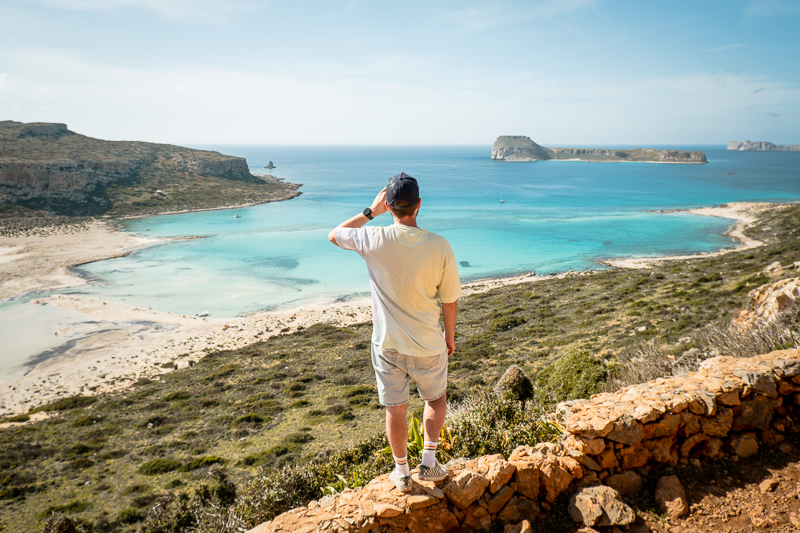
[(402, 191)]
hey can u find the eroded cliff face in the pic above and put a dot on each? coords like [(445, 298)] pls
[(521, 148), (761, 146), (47, 166), (518, 148)]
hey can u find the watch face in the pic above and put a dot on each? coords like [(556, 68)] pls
[(368, 213)]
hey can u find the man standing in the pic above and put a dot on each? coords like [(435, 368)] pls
[(411, 271)]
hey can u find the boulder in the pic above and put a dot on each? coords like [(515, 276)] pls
[(600, 506), (498, 471), (517, 510), (671, 497), (465, 488), (743, 444), (627, 482)]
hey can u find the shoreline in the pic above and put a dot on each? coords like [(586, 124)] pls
[(744, 213), (127, 343)]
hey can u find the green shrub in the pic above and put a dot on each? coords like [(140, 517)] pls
[(65, 404), (159, 466), (201, 462), (130, 516), (301, 403), (574, 375), (177, 395), (505, 323), (251, 418), (81, 464), (17, 418)]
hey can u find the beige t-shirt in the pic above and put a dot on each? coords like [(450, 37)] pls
[(409, 270)]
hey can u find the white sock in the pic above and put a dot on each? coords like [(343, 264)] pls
[(401, 464), (429, 453)]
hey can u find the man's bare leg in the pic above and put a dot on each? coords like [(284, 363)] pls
[(397, 433), (433, 419)]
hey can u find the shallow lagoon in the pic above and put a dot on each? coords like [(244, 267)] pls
[(556, 216)]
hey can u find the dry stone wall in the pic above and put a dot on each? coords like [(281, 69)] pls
[(730, 406)]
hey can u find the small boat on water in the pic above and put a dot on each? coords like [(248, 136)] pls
[(203, 314), (237, 216)]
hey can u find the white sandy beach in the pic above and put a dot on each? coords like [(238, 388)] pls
[(118, 344)]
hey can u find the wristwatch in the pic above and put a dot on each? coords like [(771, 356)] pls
[(368, 213)]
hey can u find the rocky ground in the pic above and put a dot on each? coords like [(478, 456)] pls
[(761, 493)]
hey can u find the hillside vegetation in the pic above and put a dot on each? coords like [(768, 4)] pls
[(291, 416), (46, 169)]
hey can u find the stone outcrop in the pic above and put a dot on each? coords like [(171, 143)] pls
[(522, 148), (762, 146), (769, 301), (47, 166), (730, 406)]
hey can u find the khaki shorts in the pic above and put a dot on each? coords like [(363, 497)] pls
[(393, 370)]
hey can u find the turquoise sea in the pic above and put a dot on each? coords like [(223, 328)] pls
[(556, 216)]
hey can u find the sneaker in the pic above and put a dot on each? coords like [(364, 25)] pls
[(434, 473), (403, 483)]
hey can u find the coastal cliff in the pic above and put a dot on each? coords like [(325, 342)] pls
[(522, 148), (761, 146), (50, 168)]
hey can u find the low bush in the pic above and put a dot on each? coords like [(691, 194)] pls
[(159, 466), (575, 375)]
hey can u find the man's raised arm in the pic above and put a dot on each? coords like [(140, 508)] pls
[(378, 207)]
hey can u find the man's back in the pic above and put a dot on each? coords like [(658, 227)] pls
[(410, 269)]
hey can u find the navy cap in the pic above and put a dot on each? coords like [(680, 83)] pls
[(402, 191)]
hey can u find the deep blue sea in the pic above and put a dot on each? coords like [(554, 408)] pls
[(556, 216)]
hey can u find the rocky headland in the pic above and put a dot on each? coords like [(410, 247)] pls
[(761, 146), (48, 168), (522, 148)]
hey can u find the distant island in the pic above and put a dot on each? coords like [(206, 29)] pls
[(47, 168), (522, 148), (761, 146)]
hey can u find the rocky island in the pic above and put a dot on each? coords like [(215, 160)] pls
[(761, 146), (522, 148), (49, 169)]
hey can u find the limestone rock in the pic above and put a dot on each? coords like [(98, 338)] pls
[(522, 527), (671, 497), (718, 425), (498, 471), (494, 503), (517, 510), (476, 518), (465, 488), (553, 477), (627, 482), (743, 444), (599, 506)]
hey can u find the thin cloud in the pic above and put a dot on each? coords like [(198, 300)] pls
[(723, 48), (174, 9), (759, 90), (775, 115), (772, 8)]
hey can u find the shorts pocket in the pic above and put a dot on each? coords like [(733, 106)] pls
[(426, 363)]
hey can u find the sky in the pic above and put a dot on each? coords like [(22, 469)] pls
[(563, 72)]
